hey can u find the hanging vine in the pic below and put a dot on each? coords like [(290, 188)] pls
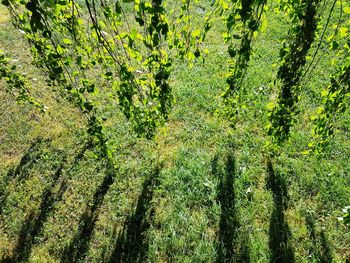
[(242, 24), (186, 35), (336, 95), (62, 51), (92, 46), (125, 50), (293, 56), (137, 55)]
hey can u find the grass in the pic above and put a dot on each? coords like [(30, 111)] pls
[(200, 192)]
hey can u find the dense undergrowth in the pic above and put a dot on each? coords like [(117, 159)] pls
[(200, 192)]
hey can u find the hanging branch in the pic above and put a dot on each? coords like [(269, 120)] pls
[(104, 49), (62, 50), (335, 101), (336, 96), (250, 14), (293, 56)]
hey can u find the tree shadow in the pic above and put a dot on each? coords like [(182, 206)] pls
[(79, 245), (21, 171), (131, 244), (279, 232), (34, 222), (28, 159), (233, 245), (320, 250)]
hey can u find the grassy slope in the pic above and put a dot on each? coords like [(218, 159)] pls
[(200, 193)]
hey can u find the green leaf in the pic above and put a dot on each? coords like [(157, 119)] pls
[(118, 8), (67, 41), (88, 106), (343, 32)]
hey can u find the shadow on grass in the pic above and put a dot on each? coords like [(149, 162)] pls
[(233, 244), (34, 222), (131, 244), (28, 159), (21, 171), (279, 233), (320, 250), (79, 245)]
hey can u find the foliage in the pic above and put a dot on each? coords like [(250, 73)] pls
[(133, 55), (16, 83), (336, 95), (293, 57), (73, 40), (242, 23)]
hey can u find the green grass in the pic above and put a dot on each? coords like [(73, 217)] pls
[(200, 192)]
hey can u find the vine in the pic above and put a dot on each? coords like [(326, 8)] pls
[(335, 101), (139, 59), (75, 43), (336, 95), (242, 24), (61, 49), (186, 36), (293, 55), (94, 46)]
